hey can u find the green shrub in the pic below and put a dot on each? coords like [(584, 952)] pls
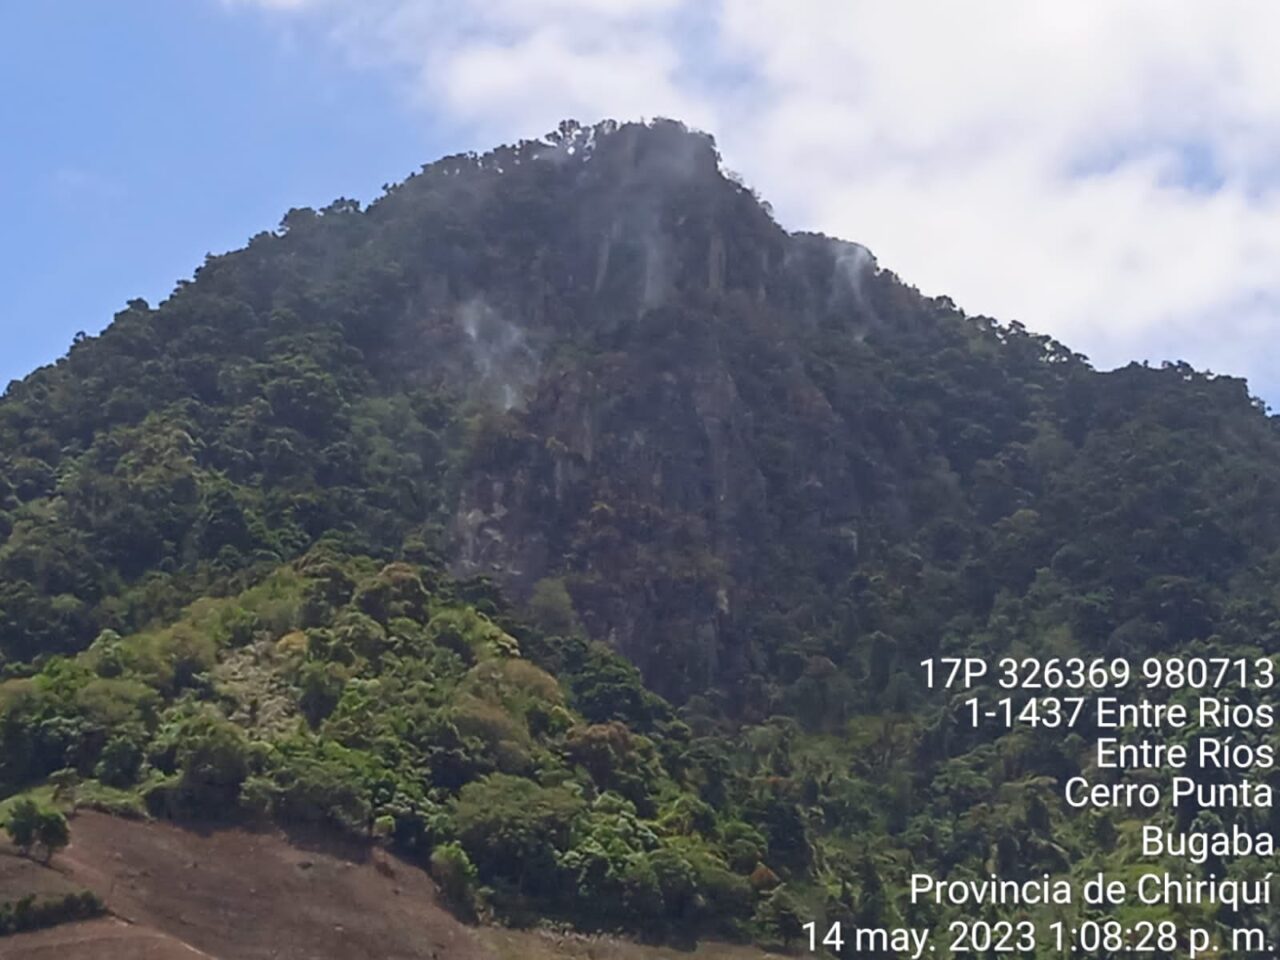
[(31, 826), (456, 876), (32, 913)]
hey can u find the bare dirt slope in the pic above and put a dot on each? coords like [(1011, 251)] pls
[(232, 894), (105, 939), (239, 895), (20, 876)]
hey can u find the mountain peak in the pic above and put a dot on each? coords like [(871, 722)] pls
[(660, 144), (262, 518)]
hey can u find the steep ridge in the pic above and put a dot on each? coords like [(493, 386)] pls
[(593, 358), (593, 369)]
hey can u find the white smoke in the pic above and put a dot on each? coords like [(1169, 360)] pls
[(853, 264), (505, 362)]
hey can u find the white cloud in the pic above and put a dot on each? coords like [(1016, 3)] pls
[(1104, 172)]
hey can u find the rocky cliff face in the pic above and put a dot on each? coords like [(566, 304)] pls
[(637, 337)]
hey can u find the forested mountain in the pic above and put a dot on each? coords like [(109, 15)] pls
[(364, 523)]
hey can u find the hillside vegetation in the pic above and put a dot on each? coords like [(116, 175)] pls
[(565, 524)]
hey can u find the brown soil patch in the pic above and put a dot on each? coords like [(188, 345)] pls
[(20, 876), (106, 939), (238, 895)]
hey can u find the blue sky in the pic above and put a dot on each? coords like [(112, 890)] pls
[(140, 136), (1102, 172)]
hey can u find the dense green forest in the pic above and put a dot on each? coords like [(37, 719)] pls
[(564, 523)]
